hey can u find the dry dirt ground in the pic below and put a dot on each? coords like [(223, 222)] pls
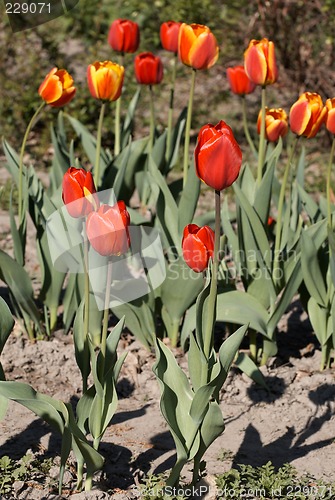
[(294, 422)]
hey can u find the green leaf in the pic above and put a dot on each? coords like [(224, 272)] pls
[(139, 319), (246, 364), (167, 210), (311, 271), (263, 194), (127, 125), (89, 142), (19, 283), (318, 316), (188, 201)]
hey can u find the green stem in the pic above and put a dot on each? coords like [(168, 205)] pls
[(25, 137), (246, 128), (261, 150), (87, 296), (253, 345), (171, 106), (329, 170), (188, 127), (98, 147), (211, 309), (152, 119), (117, 131), (276, 276), (174, 332), (325, 354), (105, 318)]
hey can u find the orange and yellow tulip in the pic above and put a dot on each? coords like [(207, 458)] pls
[(197, 46), (105, 80), (57, 88), (260, 62), (330, 121), (276, 123), (307, 115)]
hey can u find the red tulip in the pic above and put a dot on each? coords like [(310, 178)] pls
[(105, 80), (57, 88), (218, 157), (124, 36), (148, 68), (79, 192), (307, 115), (198, 246), (260, 62), (330, 123), (276, 123), (239, 81), (107, 229), (169, 33), (197, 46)]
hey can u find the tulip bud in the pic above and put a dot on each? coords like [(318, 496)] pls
[(124, 36), (197, 46), (218, 157), (148, 68), (330, 123), (276, 123), (198, 246), (105, 80), (169, 33), (79, 192), (307, 115), (107, 229), (57, 88), (239, 81), (260, 62)]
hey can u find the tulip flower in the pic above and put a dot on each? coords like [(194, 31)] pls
[(197, 46), (330, 121), (169, 33), (148, 68), (239, 81), (79, 192), (124, 36), (307, 115), (198, 246), (57, 88), (260, 62), (218, 157), (105, 80), (107, 229), (276, 123)]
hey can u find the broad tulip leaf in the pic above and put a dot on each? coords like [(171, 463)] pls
[(139, 319), (177, 133), (318, 316), (263, 194), (285, 299), (167, 210), (311, 207), (81, 346), (246, 182), (247, 366), (129, 118), (188, 201), (19, 283), (6, 326), (89, 143), (211, 428), (311, 271), (176, 400), (180, 288)]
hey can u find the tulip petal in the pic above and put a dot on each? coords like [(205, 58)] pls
[(185, 42), (300, 115), (256, 65), (204, 51), (92, 81), (53, 90)]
